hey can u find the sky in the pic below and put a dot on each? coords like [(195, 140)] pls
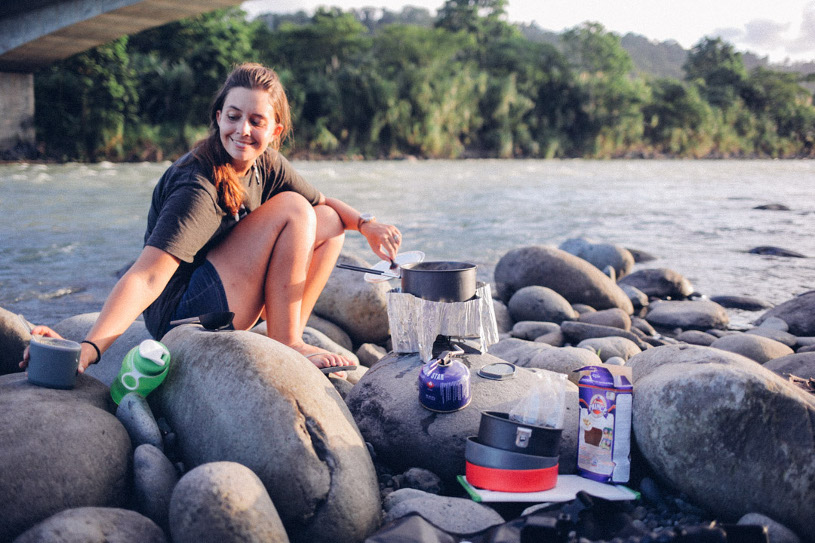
[(783, 30)]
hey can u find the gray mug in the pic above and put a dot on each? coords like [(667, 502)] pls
[(53, 362)]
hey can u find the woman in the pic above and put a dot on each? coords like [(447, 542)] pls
[(232, 227)]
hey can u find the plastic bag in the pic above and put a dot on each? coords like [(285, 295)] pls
[(546, 403)]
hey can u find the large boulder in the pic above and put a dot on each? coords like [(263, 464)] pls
[(77, 327), (223, 502), (242, 397), (59, 449), (94, 525), (358, 307), (798, 313), (601, 254), (543, 304), (609, 347), (758, 348), (687, 315), (13, 339), (337, 334), (732, 435), (385, 404), (615, 317), (659, 283), (571, 277)]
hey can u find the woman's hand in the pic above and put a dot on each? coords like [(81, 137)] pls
[(384, 239), (38, 331)]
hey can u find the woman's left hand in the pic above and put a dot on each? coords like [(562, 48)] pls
[(384, 239), (39, 330)]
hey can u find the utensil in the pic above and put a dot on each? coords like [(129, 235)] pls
[(25, 323), (217, 320), (369, 270)]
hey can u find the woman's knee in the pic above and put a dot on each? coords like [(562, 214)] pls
[(292, 206), (329, 223)]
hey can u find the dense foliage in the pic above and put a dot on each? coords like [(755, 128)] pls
[(465, 83)]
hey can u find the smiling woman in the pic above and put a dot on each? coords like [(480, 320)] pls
[(233, 227)]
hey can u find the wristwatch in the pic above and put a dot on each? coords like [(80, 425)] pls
[(365, 218)]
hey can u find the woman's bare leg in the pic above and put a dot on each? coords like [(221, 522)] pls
[(275, 259)]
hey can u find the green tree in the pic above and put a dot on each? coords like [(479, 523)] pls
[(84, 103), (677, 120), (718, 69)]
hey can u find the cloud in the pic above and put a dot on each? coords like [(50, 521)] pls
[(764, 33), (805, 42)]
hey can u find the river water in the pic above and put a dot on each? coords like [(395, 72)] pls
[(65, 230)]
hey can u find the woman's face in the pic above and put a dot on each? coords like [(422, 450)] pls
[(247, 126)]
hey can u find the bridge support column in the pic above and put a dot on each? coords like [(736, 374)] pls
[(16, 115)]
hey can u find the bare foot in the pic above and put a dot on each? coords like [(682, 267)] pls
[(322, 358)]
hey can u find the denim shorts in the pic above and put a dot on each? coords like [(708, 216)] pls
[(205, 294)]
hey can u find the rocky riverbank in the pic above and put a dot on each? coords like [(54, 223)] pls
[(247, 441)]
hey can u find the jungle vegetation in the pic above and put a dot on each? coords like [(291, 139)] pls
[(465, 83)]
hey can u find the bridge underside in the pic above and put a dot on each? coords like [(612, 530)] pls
[(36, 33)]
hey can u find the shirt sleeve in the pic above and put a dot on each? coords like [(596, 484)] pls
[(281, 176), (187, 220)]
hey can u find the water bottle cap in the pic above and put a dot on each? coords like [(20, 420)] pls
[(153, 350)]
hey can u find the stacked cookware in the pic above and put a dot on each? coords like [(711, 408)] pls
[(511, 456)]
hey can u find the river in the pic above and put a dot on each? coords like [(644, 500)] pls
[(65, 230)]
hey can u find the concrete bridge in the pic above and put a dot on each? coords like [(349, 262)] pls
[(35, 33)]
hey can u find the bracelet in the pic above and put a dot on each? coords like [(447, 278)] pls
[(96, 348)]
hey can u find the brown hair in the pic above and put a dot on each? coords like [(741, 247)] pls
[(210, 151)]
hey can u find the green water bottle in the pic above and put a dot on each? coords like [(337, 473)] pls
[(143, 369)]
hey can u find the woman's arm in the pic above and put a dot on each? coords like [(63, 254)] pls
[(136, 290), (379, 235)]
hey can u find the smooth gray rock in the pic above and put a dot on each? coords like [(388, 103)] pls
[(696, 337), (58, 450), (778, 335), (243, 397), (94, 525), (643, 325), (582, 309), (334, 332), (775, 251), (570, 276), (608, 317), (77, 327), (369, 354), (554, 338), (154, 478), (529, 330), (527, 354), (14, 338), (774, 323), (638, 298), (223, 502), (758, 348), (799, 364), (576, 332), (502, 318), (700, 423), (648, 361), (459, 516), (747, 303), (601, 255), (611, 347), (798, 313), (385, 404), (358, 307), (422, 479), (536, 303), (777, 532), (318, 339), (688, 315), (614, 361), (659, 283), (640, 255), (136, 416)]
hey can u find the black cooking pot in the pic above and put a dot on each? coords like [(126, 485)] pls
[(498, 430), (439, 281)]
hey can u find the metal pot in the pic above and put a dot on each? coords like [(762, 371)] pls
[(439, 281)]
